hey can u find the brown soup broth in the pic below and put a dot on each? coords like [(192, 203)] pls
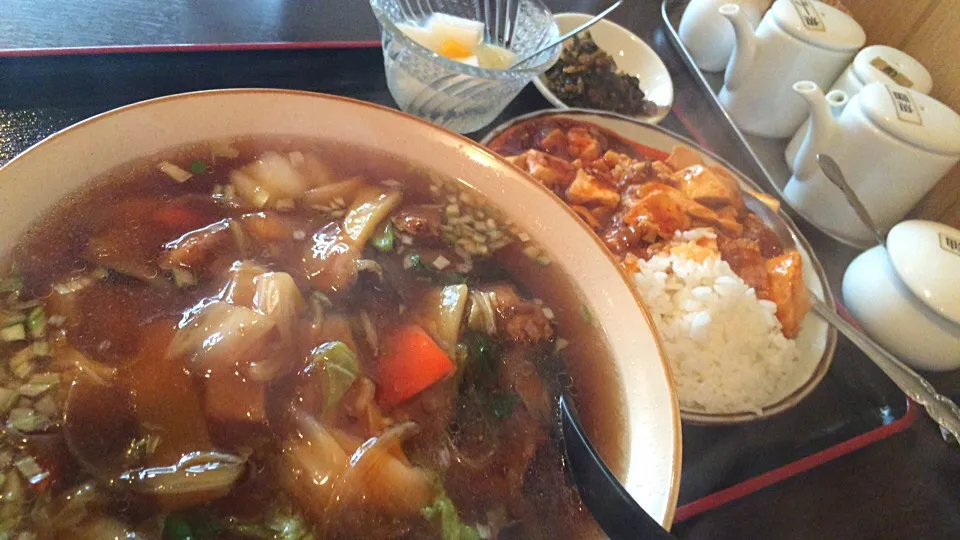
[(120, 318)]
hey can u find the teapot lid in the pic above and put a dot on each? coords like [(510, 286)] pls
[(926, 256), (818, 24), (892, 66), (912, 117)]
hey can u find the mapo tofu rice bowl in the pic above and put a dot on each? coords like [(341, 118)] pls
[(728, 298), (275, 337)]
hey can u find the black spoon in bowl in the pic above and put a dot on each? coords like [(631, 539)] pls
[(614, 509)]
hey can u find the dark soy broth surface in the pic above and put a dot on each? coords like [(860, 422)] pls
[(292, 339)]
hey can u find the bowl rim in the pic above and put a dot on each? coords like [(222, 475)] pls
[(387, 25), (673, 490), (823, 365), (663, 109)]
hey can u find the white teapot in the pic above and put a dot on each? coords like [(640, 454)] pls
[(873, 63), (708, 36), (796, 40), (892, 144)]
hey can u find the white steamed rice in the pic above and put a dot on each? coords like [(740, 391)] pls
[(725, 346)]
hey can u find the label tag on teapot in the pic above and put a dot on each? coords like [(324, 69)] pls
[(809, 15), (891, 72), (906, 109), (950, 245)]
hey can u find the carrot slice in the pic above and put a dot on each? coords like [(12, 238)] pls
[(178, 217), (411, 362)]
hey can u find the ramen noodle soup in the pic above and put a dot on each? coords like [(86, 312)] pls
[(291, 339)]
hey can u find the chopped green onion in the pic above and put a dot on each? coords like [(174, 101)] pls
[(8, 398), (11, 284), (384, 238), (14, 332), (41, 348), (27, 420), (198, 167), (39, 384), (223, 149), (46, 406), (30, 470), (21, 363), (502, 405), (37, 322), (183, 278), (11, 318), (176, 173), (413, 261)]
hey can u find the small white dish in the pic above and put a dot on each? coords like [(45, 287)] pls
[(907, 300), (633, 57)]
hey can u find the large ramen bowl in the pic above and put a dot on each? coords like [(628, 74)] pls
[(67, 161)]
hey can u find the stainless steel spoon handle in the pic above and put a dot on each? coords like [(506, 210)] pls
[(939, 407), (833, 173)]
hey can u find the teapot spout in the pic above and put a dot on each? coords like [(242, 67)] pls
[(744, 49), (823, 125)]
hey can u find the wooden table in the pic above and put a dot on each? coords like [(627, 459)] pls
[(907, 486)]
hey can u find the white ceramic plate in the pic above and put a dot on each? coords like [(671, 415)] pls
[(65, 161), (817, 340), (633, 57)]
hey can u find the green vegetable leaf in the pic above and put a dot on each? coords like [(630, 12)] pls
[(176, 527), (414, 262), (452, 278), (283, 523), (191, 525), (37, 322), (586, 314), (384, 238), (198, 167), (502, 405), (340, 369), (444, 513)]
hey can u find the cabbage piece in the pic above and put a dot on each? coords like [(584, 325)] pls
[(481, 316), (327, 194), (338, 369), (194, 248), (278, 297), (444, 512), (328, 471), (310, 463), (214, 335), (378, 477), (248, 188), (313, 169), (275, 174), (210, 473), (371, 207), (440, 312)]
